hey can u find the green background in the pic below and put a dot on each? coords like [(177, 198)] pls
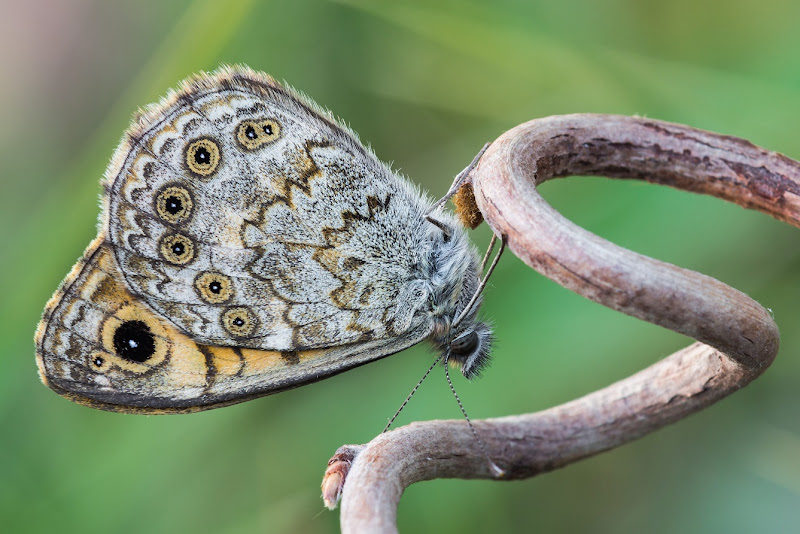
[(426, 83)]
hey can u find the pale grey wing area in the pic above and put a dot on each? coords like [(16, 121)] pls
[(247, 218)]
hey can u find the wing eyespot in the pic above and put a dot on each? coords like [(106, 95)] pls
[(174, 204), (100, 362), (133, 341), (203, 157), (177, 249), (239, 321), (254, 134), (214, 288)]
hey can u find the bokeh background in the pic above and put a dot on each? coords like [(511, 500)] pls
[(426, 83)]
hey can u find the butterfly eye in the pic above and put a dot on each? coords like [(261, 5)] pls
[(465, 344), (214, 288), (174, 204), (177, 249), (252, 135), (471, 350), (239, 321), (133, 341), (203, 157)]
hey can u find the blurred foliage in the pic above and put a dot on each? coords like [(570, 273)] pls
[(426, 83)]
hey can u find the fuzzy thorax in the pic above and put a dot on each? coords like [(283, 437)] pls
[(452, 266)]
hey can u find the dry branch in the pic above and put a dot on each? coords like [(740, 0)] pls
[(737, 338)]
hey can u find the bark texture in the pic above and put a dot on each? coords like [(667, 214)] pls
[(737, 338)]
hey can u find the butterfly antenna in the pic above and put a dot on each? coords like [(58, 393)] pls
[(468, 308), (457, 183), (400, 409), (481, 445)]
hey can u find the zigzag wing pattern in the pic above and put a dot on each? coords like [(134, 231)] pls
[(247, 217)]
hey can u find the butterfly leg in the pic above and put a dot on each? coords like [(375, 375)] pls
[(488, 251), (485, 279)]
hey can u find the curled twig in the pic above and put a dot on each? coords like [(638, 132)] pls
[(737, 338)]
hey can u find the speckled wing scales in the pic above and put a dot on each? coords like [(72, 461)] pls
[(82, 352), (247, 217)]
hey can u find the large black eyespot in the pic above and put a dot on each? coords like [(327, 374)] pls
[(465, 344), (133, 341)]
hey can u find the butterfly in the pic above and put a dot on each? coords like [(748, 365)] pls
[(249, 244)]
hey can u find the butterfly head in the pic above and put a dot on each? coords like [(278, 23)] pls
[(471, 349)]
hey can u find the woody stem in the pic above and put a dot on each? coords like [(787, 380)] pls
[(737, 338)]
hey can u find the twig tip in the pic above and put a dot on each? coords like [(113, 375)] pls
[(335, 475)]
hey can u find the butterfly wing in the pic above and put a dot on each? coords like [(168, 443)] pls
[(247, 217), (100, 345)]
